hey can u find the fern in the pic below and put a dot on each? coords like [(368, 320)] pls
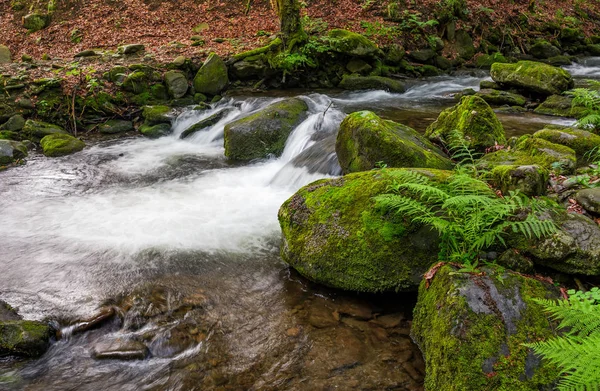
[(575, 353), (467, 214), (589, 100)]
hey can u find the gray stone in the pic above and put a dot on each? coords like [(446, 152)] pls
[(177, 84), (589, 199), (14, 123), (131, 49), (212, 77), (116, 126), (205, 123)]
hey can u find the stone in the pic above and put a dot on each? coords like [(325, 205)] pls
[(530, 180), (5, 56), (471, 329), (364, 140), (533, 77), (116, 126), (24, 338), (463, 45), (59, 144), (264, 133), (559, 106), (422, 56), (486, 60), (499, 98), (350, 82), (589, 199), (543, 49), (176, 83), (245, 70), (205, 123), (334, 235), (131, 49), (11, 150), (86, 53), (212, 77), (351, 44), (120, 349), (36, 130), (471, 119), (36, 21), (155, 131), (357, 65), (487, 84), (579, 140), (14, 123), (117, 74), (156, 114), (559, 61)]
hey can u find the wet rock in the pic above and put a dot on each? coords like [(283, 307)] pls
[(265, 132), (320, 316), (487, 84), (422, 56), (116, 126), (543, 49), (55, 145), (334, 235), (471, 330), (356, 309), (36, 130), (212, 77), (11, 150), (350, 82), (24, 338), (579, 140), (358, 66), (530, 180), (205, 123), (5, 56), (176, 83), (120, 349), (364, 140), (472, 119), (389, 321), (155, 131), (514, 260), (320, 157), (499, 98), (486, 60), (245, 70), (156, 115), (589, 199), (352, 44), (559, 61), (7, 312), (14, 123), (36, 21), (131, 49), (341, 351), (533, 77), (559, 106), (97, 320)]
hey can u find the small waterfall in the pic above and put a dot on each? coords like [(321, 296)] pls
[(586, 68)]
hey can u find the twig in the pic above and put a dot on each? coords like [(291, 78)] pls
[(73, 110)]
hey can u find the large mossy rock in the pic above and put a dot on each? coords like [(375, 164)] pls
[(543, 49), (334, 235), (24, 338), (573, 249), (14, 123), (176, 83), (35, 21), (113, 126), (264, 133), (156, 115), (11, 150), (533, 77), (212, 77), (471, 329), (205, 123), (353, 82), (579, 140), (499, 98), (531, 180), (364, 140), (352, 44), (156, 131), (473, 119), (55, 145), (5, 56), (37, 130), (559, 106)]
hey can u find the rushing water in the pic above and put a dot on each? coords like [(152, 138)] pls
[(170, 228)]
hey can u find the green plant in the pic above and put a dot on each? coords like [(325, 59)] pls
[(377, 29), (576, 352), (589, 99), (314, 25), (468, 215), (411, 21)]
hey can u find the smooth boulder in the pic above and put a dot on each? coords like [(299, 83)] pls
[(471, 328), (579, 140), (264, 133), (55, 145), (113, 126), (334, 234), (589, 199), (176, 83), (212, 77), (364, 140), (11, 150), (24, 338), (36, 130), (205, 123), (499, 98), (533, 77), (473, 120), (353, 82)]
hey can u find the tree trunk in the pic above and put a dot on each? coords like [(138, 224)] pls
[(292, 33)]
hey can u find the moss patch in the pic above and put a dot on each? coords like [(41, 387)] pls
[(55, 145), (532, 76)]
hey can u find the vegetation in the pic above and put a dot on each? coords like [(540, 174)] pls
[(589, 99)]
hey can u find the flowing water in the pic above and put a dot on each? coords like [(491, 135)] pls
[(184, 246)]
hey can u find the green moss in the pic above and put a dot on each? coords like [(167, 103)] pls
[(58, 144), (499, 98), (364, 139), (36, 21), (530, 180), (155, 131), (36, 130), (352, 82), (486, 60), (23, 337), (271, 47), (579, 140), (212, 77), (560, 106), (334, 235), (473, 119), (156, 114), (471, 329), (353, 44), (533, 77), (8, 135)]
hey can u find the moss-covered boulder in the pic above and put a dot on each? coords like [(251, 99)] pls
[(471, 329), (55, 145), (364, 140), (352, 44), (36, 130), (473, 119), (499, 98), (589, 199), (212, 77), (264, 133), (486, 60), (579, 140), (156, 114), (205, 123), (529, 150), (14, 123), (333, 234), (141, 79), (530, 180), (155, 131), (11, 150), (543, 49), (5, 56), (353, 82), (559, 106), (533, 77), (113, 126), (573, 249), (36, 21), (24, 338), (176, 83)]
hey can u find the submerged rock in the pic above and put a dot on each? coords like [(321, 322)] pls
[(352, 82), (471, 329), (212, 77), (265, 132), (364, 140), (56, 145), (473, 119), (36, 130), (24, 338), (334, 235), (533, 77)]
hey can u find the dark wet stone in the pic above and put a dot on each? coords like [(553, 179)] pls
[(120, 349)]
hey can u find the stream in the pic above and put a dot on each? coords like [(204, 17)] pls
[(185, 246)]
